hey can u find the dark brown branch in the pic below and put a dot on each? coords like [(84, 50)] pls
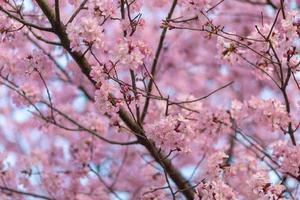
[(10, 190), (204, 97), (25, 22), (176, 176), (155, 61), (57, 12), (76, 12), (109, 188)]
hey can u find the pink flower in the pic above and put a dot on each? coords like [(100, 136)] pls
[(263, 189), (31, 95), (37, 61), (94, 122), (86, 32), (7, 27), (229, 50), (169, 133), (215, 164), (97, 73), (103, 8), (102, 100), (289, 157), (217, 190), (132, 54), (290, 23)]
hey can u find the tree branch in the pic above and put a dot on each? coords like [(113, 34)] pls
[(25, 22), (178, 179), (155, 61), (10, 190)]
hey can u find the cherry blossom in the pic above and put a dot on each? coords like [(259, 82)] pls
[(87, 33), (119, 99)]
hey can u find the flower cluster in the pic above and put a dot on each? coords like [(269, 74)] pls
[(195, 7), (267, 49), (98, 75), (7, 28), (86, 33), (290, 25), (217, 190), (218, 121), (30, 94), (93, 122), (170, 133), (216, 163), (104, 8), (289, 157), (270, 111), (263, 189), (132, 54), (97, 94), (229, 50), (37, 61), (103, 100)]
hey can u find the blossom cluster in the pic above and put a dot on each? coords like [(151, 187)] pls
[(272, 112), (288, 157), (86, 33), (8, 28), (132, 54), (181, 99), (170, 133)]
